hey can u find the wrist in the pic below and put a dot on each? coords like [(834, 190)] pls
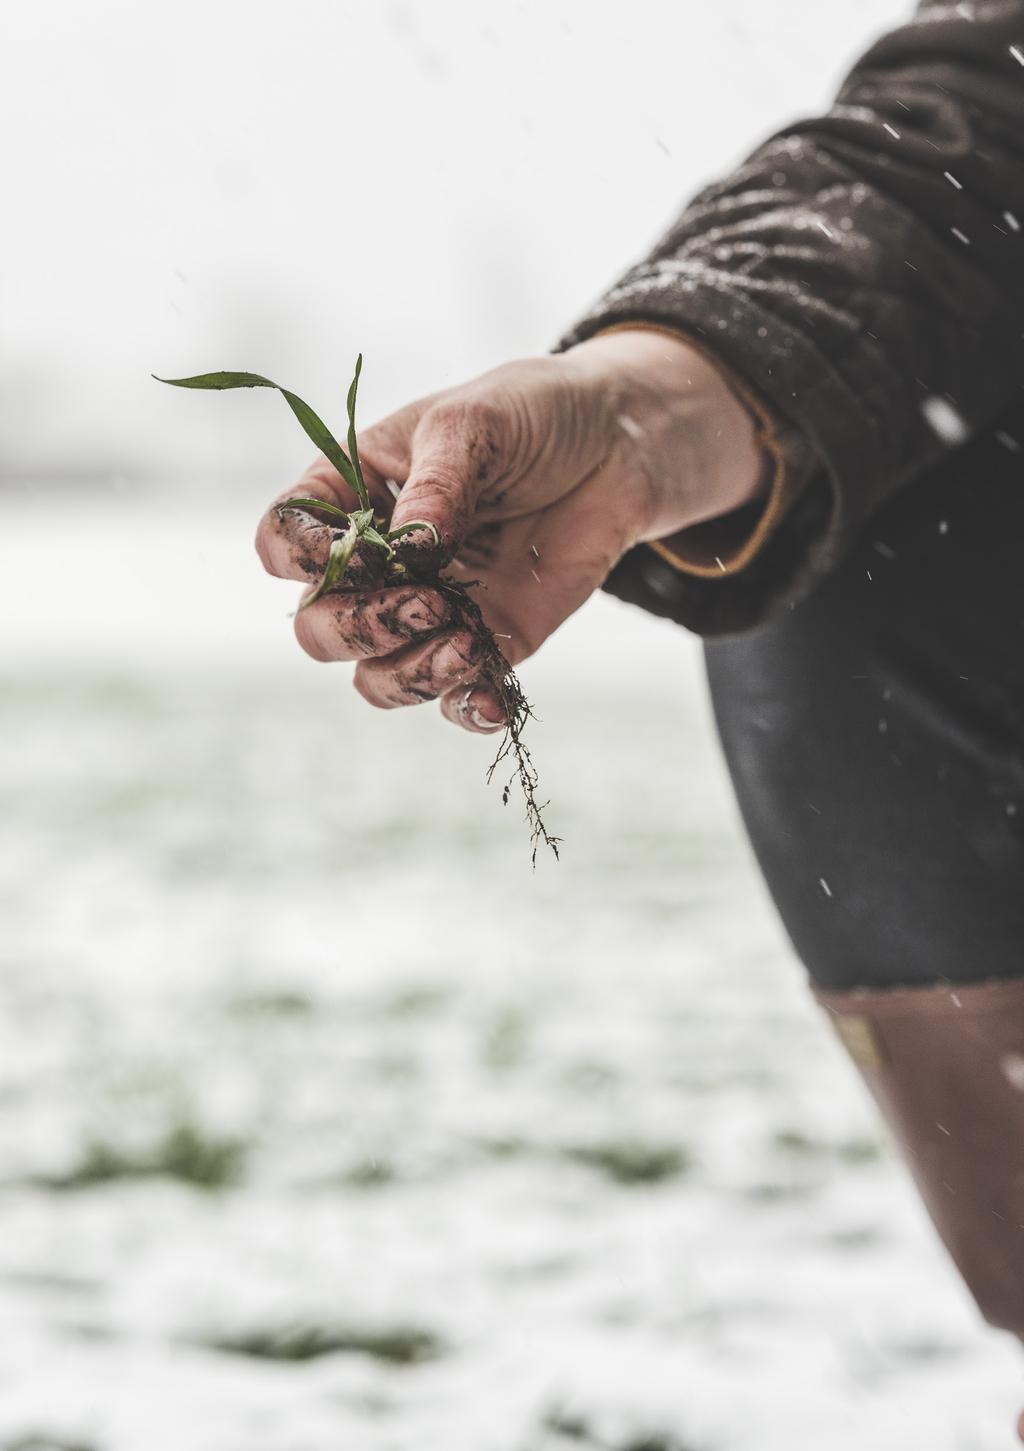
[(682, 437)]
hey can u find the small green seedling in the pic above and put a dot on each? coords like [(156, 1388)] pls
[(362, 535)]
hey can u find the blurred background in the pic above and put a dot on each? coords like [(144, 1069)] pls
[(325, 1122)]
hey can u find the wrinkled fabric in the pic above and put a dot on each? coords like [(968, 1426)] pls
[(874, 734), (864, 273)]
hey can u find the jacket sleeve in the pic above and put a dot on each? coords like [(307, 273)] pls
[(861, 279)]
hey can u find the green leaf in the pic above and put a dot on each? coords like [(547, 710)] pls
[(372, 536), (353, 447), (313, 426), (341, 552), (415, 524), (309, 505)]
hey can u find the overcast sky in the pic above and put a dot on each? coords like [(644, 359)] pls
[(440, 183)]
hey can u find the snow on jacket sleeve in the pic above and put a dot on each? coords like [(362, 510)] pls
[(861, 277)]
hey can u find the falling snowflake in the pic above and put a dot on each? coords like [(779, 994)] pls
[(944, 420), (1013, 1070)]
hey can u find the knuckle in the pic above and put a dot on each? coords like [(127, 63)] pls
[(265, 536), (432, 670), (291, 544), (308, 632), (301, 542), (435, 484), (481, 419), (489, 418), (368, 686), (261, 546), (463, 652), (412, 687), (404, 617), (368, 625)]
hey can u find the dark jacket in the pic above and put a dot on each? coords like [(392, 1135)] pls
[(861, 277)]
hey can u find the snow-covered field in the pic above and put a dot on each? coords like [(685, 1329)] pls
[(325, 1124)]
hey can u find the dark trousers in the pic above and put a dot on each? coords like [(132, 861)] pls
[(875, 736)]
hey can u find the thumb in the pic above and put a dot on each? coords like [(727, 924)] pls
[(457, 449)]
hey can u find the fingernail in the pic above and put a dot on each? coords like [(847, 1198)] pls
[(474, 716), (481, 723)]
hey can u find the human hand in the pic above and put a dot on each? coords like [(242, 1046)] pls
[(538, 477)]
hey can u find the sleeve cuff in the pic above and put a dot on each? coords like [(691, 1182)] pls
[(728, 543)]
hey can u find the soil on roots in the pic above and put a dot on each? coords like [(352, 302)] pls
[(419, 565), (498, 674)]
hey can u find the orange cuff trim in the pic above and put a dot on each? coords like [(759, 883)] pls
[(726, 544)]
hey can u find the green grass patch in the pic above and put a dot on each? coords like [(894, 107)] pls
[(633, 1161), (36, 1441), (576, 1429), (185, 1153), (797, 1144), (399, 1345)]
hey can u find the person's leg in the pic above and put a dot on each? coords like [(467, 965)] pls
[(875, 736)]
